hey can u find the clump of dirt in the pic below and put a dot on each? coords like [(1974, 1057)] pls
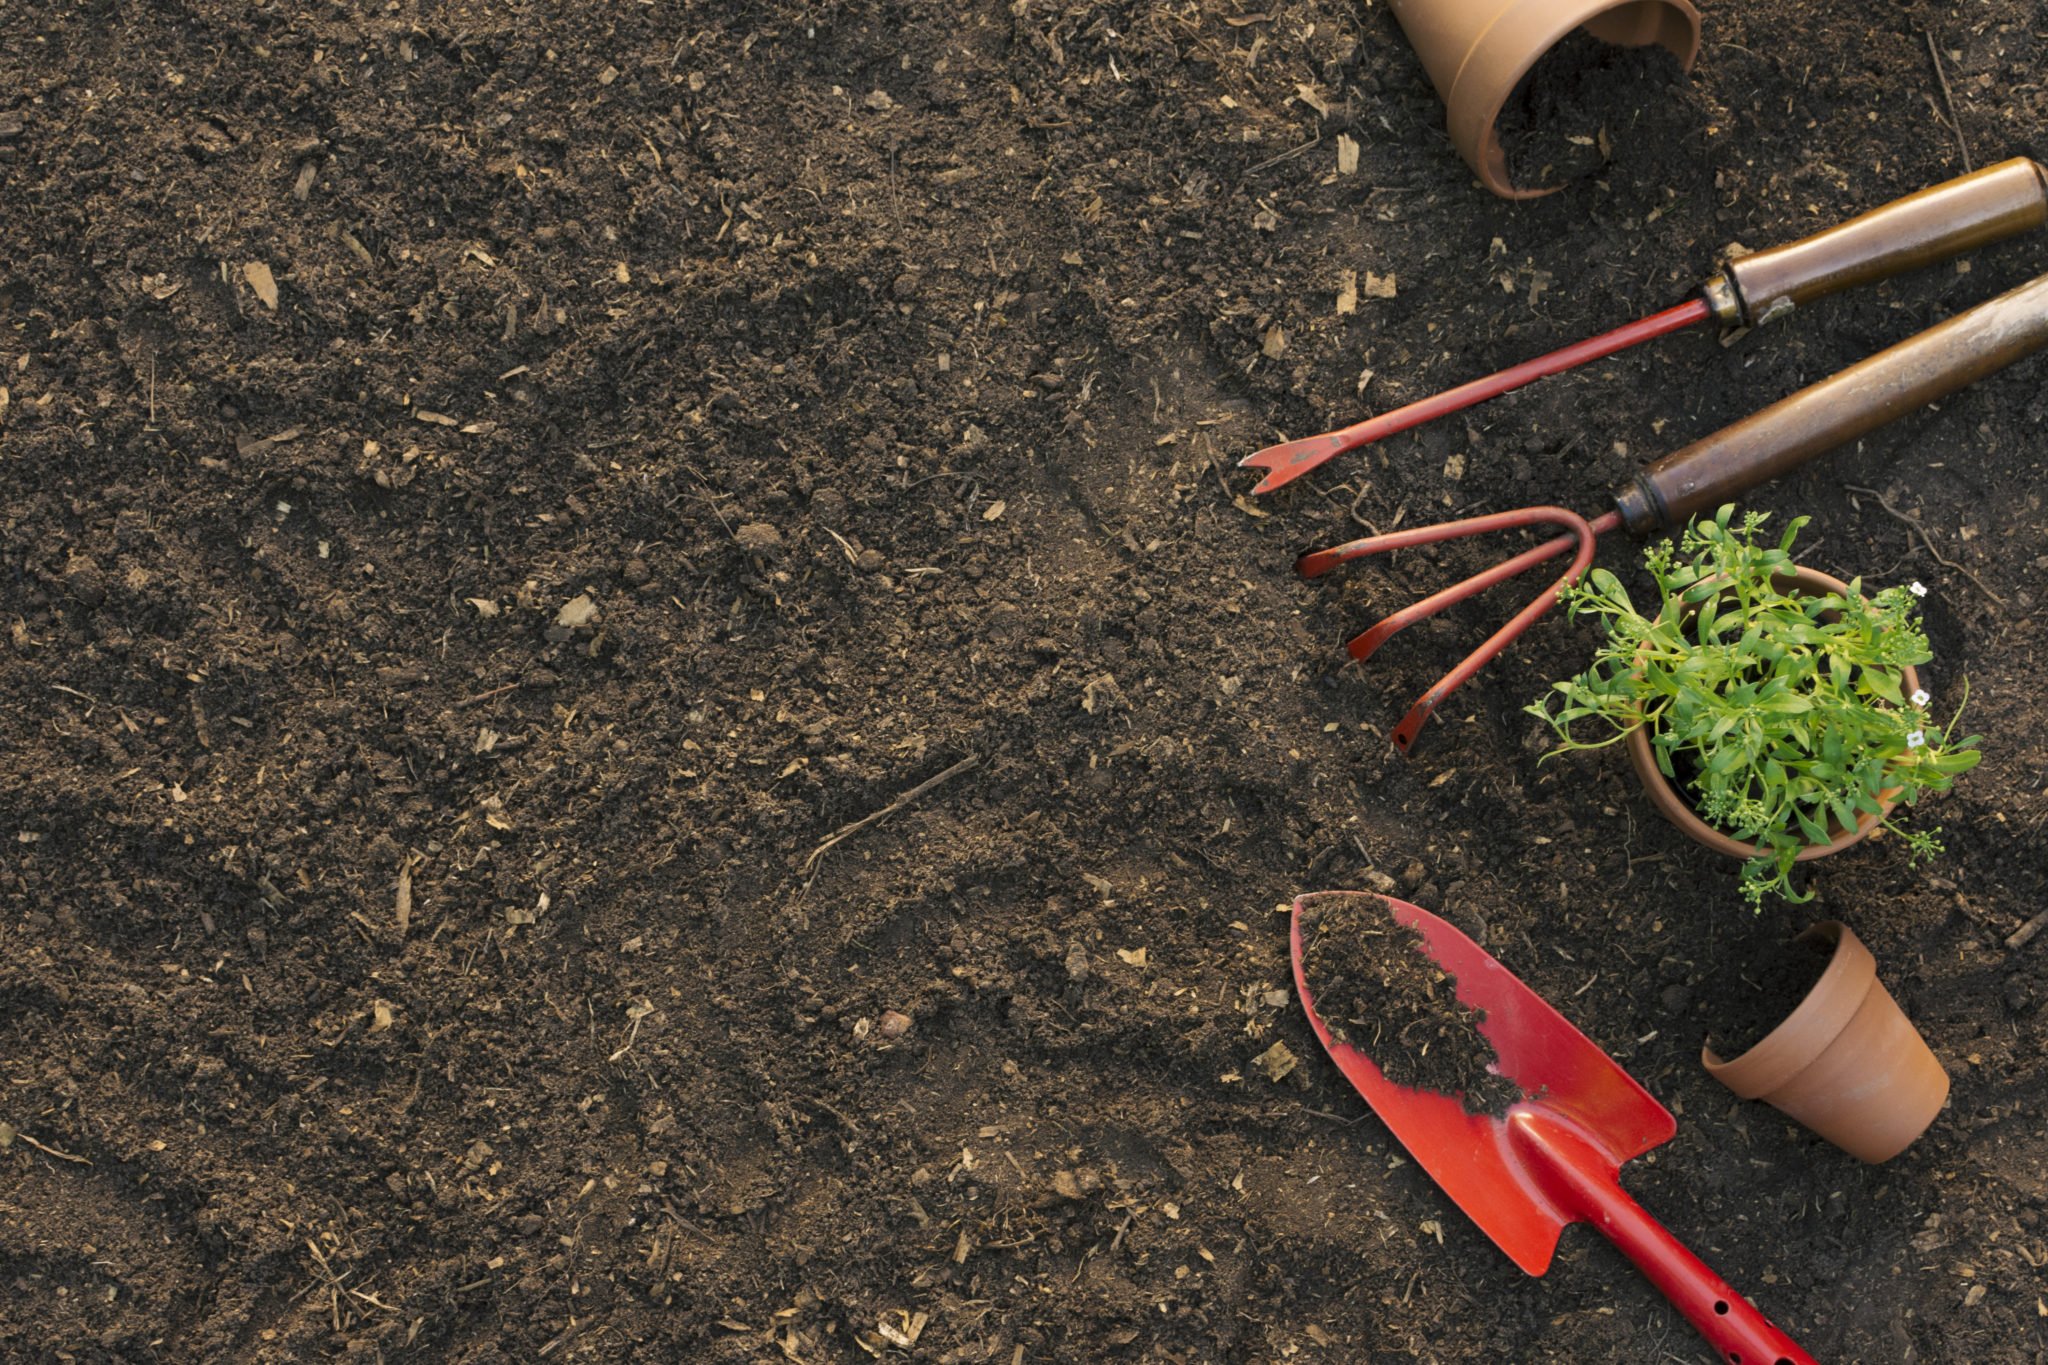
[(1565, 118), (1769, 988), (1380, 992)]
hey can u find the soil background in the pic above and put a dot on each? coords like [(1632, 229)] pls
[(490, 492)]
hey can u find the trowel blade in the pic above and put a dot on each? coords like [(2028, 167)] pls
[(1565, 1079)]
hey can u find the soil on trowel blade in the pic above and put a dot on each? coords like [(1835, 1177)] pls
[(1765, 992), (1379, 991)]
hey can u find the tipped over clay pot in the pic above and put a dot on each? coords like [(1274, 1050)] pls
[(1674, 805), (1477, 51), (1847, 1062)]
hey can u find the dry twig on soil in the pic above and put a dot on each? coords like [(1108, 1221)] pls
[(908, 798), (52, 1151), (2024, 935), (1949, 96), (1914, 522)]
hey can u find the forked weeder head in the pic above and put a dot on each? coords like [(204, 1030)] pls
[(1289, 460)]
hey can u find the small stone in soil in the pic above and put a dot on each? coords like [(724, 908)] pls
[(758, 537), (1379, 991)]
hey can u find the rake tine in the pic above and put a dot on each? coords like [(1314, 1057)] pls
[(1579, 533), (1418, 715), (1361, 647), (1320, 562)]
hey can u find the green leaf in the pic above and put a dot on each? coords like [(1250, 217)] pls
[(1724, 760), (1610, 588)]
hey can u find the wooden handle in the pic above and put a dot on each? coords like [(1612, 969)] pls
[(1947, 220), (1785, 435)]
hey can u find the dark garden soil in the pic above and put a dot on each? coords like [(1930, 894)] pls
[(1763, 994), (1377, 989), (503, 505), (1561, 121)]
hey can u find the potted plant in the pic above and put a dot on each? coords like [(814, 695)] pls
[(1773, 712)]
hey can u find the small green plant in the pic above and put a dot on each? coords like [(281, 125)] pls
[(1776, 720)]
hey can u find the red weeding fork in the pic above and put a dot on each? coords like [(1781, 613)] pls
[(1906, 234)]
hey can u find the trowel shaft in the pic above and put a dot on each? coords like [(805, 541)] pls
[(1995, 203)]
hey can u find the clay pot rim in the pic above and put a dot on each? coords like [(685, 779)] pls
[(1672, 804), (1498, 59), (1812, 1025)]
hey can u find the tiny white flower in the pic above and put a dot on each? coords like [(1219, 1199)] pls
[(1916, 739), (1917, 588), (1921, 698)]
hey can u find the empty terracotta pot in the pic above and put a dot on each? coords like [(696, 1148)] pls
[(1847, 1062), (1674, 805), (1477, 51)]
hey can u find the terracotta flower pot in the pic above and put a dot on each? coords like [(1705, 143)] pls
[(1675, 807), (1477, 51), (1847, 1062)]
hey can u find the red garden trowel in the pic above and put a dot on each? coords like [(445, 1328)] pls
[(1553, 1158)]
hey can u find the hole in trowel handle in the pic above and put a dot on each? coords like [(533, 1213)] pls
[(1735, 1357)]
